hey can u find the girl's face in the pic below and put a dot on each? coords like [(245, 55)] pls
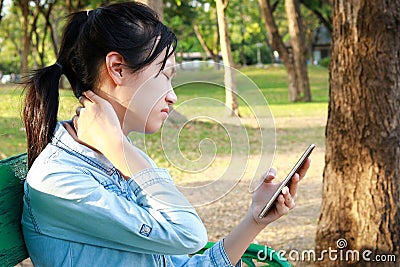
[(145, 97)]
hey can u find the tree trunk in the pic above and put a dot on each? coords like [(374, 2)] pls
[(26, 36), (361, 186), (242, 53), (229, 79), (1, 9), (156, 5), (298, 43), (276, 43), (292, 86), (49, 25)]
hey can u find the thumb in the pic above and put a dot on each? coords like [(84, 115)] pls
[(269, 176)]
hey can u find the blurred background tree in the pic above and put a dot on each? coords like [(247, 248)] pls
[(30, 31)]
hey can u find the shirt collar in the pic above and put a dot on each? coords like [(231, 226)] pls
[(64, 140)]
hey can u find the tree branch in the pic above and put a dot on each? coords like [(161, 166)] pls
[(274, 5), (46, 14), (1, 8), (275, 38), (326, 21), (226, 3), (203, 44)]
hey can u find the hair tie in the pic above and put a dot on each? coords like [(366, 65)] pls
[(87, 12), (59, 65)]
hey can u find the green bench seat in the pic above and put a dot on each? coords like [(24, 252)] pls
[(12, 176), (12, 247)]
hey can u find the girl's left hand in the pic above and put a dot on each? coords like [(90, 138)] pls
[(285, 201)]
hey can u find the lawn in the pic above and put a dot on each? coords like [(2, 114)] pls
[(204, 153), (271, 83)]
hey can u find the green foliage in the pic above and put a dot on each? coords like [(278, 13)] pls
[(246, 28), (179, 16), (246, 31), (322, 9), (325, 62), (10, 42)]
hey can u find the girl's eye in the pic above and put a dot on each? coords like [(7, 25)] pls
[(168, 78)]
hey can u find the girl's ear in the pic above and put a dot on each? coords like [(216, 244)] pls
[(114, 63)]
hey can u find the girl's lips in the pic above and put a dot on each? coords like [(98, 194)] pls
[(166, 110)]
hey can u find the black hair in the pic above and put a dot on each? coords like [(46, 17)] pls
[(131, 29)]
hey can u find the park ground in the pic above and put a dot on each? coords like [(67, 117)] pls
[(297, 125)]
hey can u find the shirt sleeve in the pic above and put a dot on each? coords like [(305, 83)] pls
[(212, 257), (69, 203)]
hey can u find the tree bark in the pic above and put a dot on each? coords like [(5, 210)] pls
[(26, 36), (27, 32), (229, 78), (361, 184), (299, 50)]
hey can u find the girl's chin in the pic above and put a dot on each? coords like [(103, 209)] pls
[(147, 129), (152, 130)]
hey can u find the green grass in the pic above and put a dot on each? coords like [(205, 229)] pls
[(270, 83), (12, 133)]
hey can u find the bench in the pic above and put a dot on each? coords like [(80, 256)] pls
[(12, 247)]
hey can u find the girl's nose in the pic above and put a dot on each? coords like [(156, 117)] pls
[(171, 97)]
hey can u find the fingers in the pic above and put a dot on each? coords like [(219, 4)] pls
[(285, 202), (84, 100), (70, 130), (90, 95), (303, 170), (281, 208), (87, 97), (75, 122), (289, 200), (298, 176), (78, 110), (294, 182)]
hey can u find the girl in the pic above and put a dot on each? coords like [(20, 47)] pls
[(91, 197)]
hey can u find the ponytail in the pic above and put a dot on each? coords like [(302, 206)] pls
[(131, 29), (42, 90), (41, 107)]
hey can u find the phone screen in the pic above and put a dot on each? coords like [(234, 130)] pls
[(295, 169)]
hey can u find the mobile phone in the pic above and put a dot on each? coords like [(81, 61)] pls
[(286, 181)]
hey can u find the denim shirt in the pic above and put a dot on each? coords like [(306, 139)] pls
[(79, 211)]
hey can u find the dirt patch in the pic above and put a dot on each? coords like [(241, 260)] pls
[(295, 231)]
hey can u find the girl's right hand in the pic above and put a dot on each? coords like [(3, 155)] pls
[(284, 203), (97, 125)]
